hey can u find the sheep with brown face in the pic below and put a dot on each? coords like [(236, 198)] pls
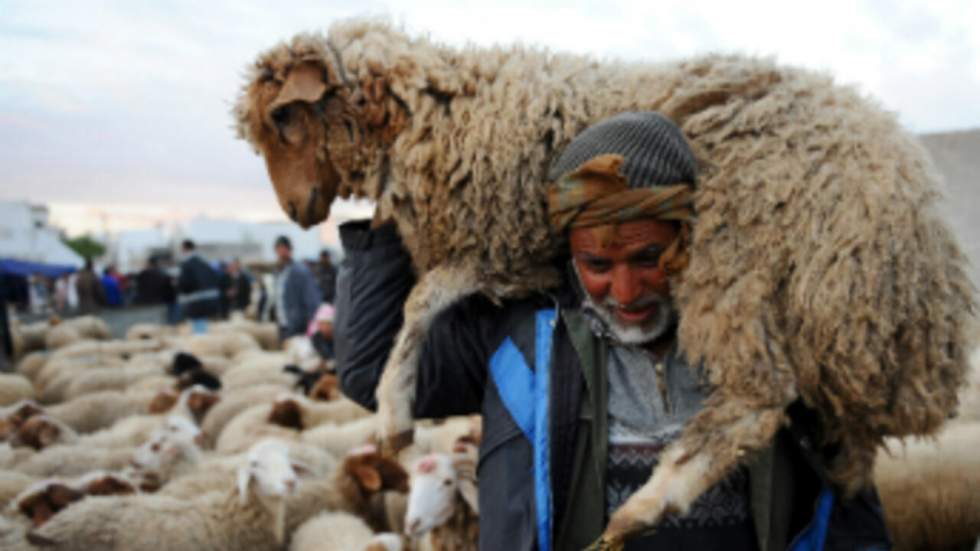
[(815, 248)]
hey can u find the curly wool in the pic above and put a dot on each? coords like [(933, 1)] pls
[(818, 267)]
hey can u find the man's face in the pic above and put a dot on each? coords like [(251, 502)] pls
[(618, 268), (283, 253)]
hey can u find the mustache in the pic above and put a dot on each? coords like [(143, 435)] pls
[(637, 305)]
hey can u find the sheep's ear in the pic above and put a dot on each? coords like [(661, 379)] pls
[(471, 495), (301, 469), (244, 480), (368, 477), (304, 83)]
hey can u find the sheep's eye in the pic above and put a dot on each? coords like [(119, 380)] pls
[(447, 482)]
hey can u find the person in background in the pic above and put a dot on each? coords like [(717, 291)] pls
[(38, 293), (61, 286), (320, 332), (296, 294), (153, 285), (6, 340), (197, 288), (238, 287), (326, 277), (113, 292), (91, 293)]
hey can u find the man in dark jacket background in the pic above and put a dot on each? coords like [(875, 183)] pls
[(197, 288), (619, 390), (153, 285), (296, 295)]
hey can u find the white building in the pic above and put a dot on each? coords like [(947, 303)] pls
[(25, 236)]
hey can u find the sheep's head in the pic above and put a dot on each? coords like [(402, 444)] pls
[(41, 431), (200, 400), (269, 473), (372, 472), (438, 483), (286, 412), (105, 484), (163, 402), (327, 388), (16, 416), (321, 134), (41, 502)]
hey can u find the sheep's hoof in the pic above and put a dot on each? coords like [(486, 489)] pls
[(391, 445)]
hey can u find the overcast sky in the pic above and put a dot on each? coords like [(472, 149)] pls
[(121, 109)]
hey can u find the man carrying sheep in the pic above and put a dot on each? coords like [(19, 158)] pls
[(581, 389)]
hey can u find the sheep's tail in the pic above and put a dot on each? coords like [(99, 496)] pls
[(436, 290), (712, 445)]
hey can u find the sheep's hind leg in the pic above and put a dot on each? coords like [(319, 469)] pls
[(436, 290), (689, 467)]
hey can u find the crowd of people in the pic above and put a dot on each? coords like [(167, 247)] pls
[(195, 289)]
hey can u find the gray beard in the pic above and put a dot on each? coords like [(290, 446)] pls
[(610, 326)]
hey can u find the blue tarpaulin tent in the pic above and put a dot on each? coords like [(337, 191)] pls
[(22, 268)]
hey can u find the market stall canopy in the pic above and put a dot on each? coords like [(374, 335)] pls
[(26, 240)]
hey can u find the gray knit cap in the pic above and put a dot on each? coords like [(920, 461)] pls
[(653, 148)]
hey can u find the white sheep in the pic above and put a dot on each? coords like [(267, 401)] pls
[(73, 330), (233, 403), (444, 501), (249, 516), (100, 410), (14, 388), (12, 483), (930, 489), (31, 364), (258, 369), (340, 531)]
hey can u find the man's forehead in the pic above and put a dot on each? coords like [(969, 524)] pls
[(629, 235)]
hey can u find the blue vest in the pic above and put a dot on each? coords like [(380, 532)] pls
[(525, 394)]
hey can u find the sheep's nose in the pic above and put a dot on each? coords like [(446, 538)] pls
[(290, 485)]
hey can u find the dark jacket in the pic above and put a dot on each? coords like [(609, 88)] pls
[(153, 286), (302, 298), (326, 278), (198, 288), (374, 282)]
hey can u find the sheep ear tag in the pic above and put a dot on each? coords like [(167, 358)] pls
[(304, 83)]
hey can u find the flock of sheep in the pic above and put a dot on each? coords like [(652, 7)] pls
[(231, 441), (222, 441)]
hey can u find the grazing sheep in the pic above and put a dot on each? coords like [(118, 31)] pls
[(148, 331), (12, 483), (31, 364), (14, 388), (930, 490), (264, 369), (815, 248), (249, 516), (233, 403), (73, 330), (338, 439), (41, 431), (14, 416), (332, 531), (46, 498), (444, 501), (358, 486), (100, 410), (301, 413)]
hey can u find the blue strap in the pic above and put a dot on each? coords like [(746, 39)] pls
[(515, 384), (813, 538), (524, 392), (544, 329)]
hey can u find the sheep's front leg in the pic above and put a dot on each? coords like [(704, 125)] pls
[(435, 291), (709, 449)]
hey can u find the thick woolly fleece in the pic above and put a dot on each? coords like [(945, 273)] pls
[(818, 270)]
